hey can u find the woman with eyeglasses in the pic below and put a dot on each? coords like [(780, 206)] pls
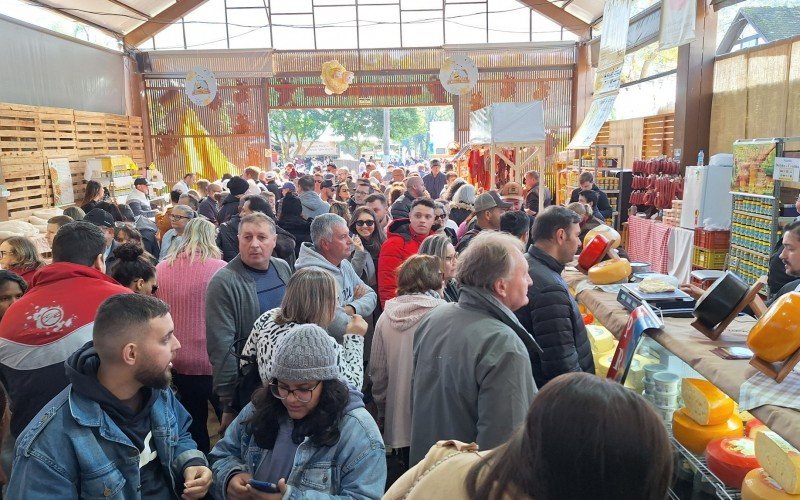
[(178, 219), (184, 277), (419, 288), (305, 434), (439, 245), (135, 269), (19, 255), (442, 224)]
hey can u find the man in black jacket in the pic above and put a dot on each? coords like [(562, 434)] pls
[(552, 315), (586, 181), (228, 235)]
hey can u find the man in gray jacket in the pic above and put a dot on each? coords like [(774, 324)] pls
[(312, 203), (251, 284), (331, 246), (472, 377)]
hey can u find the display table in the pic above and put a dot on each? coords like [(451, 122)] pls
[(694, 349)]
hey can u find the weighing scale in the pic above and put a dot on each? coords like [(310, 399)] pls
[(671, 304)]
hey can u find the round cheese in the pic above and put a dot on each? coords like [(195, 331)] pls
[(780, 459), (776, 335), (610, 271), (753, 427), (600, 338), (608, 232), (706, 404), (695, 437), (730, 459), (593, 252), (758, 485)]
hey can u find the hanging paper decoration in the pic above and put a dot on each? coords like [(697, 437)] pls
[(678, 19), (242, 93), (242, 125), (335, 77), (458, 74), (201, 86), (542, 90), (508, 87), (476, 102)]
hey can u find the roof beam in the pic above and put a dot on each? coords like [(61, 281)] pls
[(161, 21), (560, 17), (129, 8)]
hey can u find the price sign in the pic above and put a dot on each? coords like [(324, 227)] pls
[(787, 169)]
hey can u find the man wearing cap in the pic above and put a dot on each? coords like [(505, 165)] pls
[(141, 188), (489, 208), (326, 191), (272, 184), (436, 180), (230, 205), (512, 193), (105, 222)]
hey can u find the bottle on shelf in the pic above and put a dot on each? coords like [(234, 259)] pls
[(701, 156)]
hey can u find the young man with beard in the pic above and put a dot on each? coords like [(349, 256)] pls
[(790, 256), (117, 429)]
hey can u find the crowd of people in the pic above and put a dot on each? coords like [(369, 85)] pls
[(393, 333)]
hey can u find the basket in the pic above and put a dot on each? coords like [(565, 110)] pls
[(711, 240), (708, 259)]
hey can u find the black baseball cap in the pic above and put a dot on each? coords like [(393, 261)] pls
[(327, 183), (141, 181), (99, 218)]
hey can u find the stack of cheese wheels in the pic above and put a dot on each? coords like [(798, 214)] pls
[(635, 378), (707, 415), (730, 459), (780, 460), (776, 335), (610, 271), (602, 341)]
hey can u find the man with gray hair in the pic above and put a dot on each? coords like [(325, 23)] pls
[(250, 285), (415, 188), (330, 247), (472, 376)]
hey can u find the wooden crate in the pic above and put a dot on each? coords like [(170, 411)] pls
[(136, 140), (658, 137), (117, 135), (90, 133), (19, 131), (57, 133), (27, 179)]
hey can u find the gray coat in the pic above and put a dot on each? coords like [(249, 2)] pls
[(313, 204), (231, 310), (472, 377)]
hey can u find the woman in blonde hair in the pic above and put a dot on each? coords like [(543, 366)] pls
[(183, 277), (19, 255), (311, 297)]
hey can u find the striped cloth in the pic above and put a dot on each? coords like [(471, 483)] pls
[(648, 241), (760, 390)]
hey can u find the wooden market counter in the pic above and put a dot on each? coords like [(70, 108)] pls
[(694, 349)]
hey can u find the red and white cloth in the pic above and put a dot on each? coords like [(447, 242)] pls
[(648, 241)]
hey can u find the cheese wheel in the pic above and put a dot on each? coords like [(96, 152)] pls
[(695, 437), (730, 459), (753, 427), (706, 404), (780, 459), (776, 335), (600, 338), (610, 271), (593, 252), (758, 485), (608, 232), (601, 369)]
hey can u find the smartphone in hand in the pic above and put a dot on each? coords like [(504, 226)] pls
[(264, 486)]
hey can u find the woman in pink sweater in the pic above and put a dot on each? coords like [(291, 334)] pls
[(183, 278)]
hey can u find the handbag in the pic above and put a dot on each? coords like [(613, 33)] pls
[(247, 377)]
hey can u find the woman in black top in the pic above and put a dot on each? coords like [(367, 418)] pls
[(291, 219)]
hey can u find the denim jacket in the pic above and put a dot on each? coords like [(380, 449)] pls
[(353, 468), (72, 449)]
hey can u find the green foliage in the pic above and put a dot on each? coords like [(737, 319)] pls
[(295, 130)]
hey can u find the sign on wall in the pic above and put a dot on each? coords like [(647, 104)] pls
[(458, 74), (201, 86), (61, 176)]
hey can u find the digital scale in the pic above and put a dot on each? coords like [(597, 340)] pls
[(671, 304)]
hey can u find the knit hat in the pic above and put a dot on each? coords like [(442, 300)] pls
[(306, 353), (237, 186)]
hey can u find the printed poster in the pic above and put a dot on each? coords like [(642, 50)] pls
[(677, 23), (614, 41), (753, 167), (61, 176), (598, 113)]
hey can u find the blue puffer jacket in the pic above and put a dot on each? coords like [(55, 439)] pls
[(355, 467)]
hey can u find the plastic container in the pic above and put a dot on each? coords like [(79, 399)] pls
[(649, 387), (650, 370), (666, 382), (666, 399)]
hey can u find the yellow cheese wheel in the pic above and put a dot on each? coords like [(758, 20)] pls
[(695, 437), (758, 485), (776, 335), (609, 271), (706, 404), (635, 377), (603, 357), (600, 338), (609, 232), (780, 459)]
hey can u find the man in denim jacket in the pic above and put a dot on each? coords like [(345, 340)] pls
[(116, 431)]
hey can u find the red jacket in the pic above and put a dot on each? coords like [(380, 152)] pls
[(401, 243)]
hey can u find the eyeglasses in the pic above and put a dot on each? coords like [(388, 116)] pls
[(362, 223), (177, 217), (440, 217), (302, 395)]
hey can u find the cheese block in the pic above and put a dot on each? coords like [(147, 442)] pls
[(706, 404), (608, 232), (758, 485), (695, 437), (780, 459), (601, 369), (593, 252), (730, 459), (753, 427), (600, 338), (610, 271), (776, 335)]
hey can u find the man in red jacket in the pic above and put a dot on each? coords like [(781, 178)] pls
[(404, 237), (53, 320)]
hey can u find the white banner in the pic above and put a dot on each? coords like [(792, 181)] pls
[(61, 176), (598, 114), (614, 41), (677, 23)]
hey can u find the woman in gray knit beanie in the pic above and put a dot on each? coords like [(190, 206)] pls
[(305, 430)]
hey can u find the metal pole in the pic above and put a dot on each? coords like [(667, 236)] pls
[(386, 129)]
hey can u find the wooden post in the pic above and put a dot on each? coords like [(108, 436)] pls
[(695, 87), (582, 86)]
